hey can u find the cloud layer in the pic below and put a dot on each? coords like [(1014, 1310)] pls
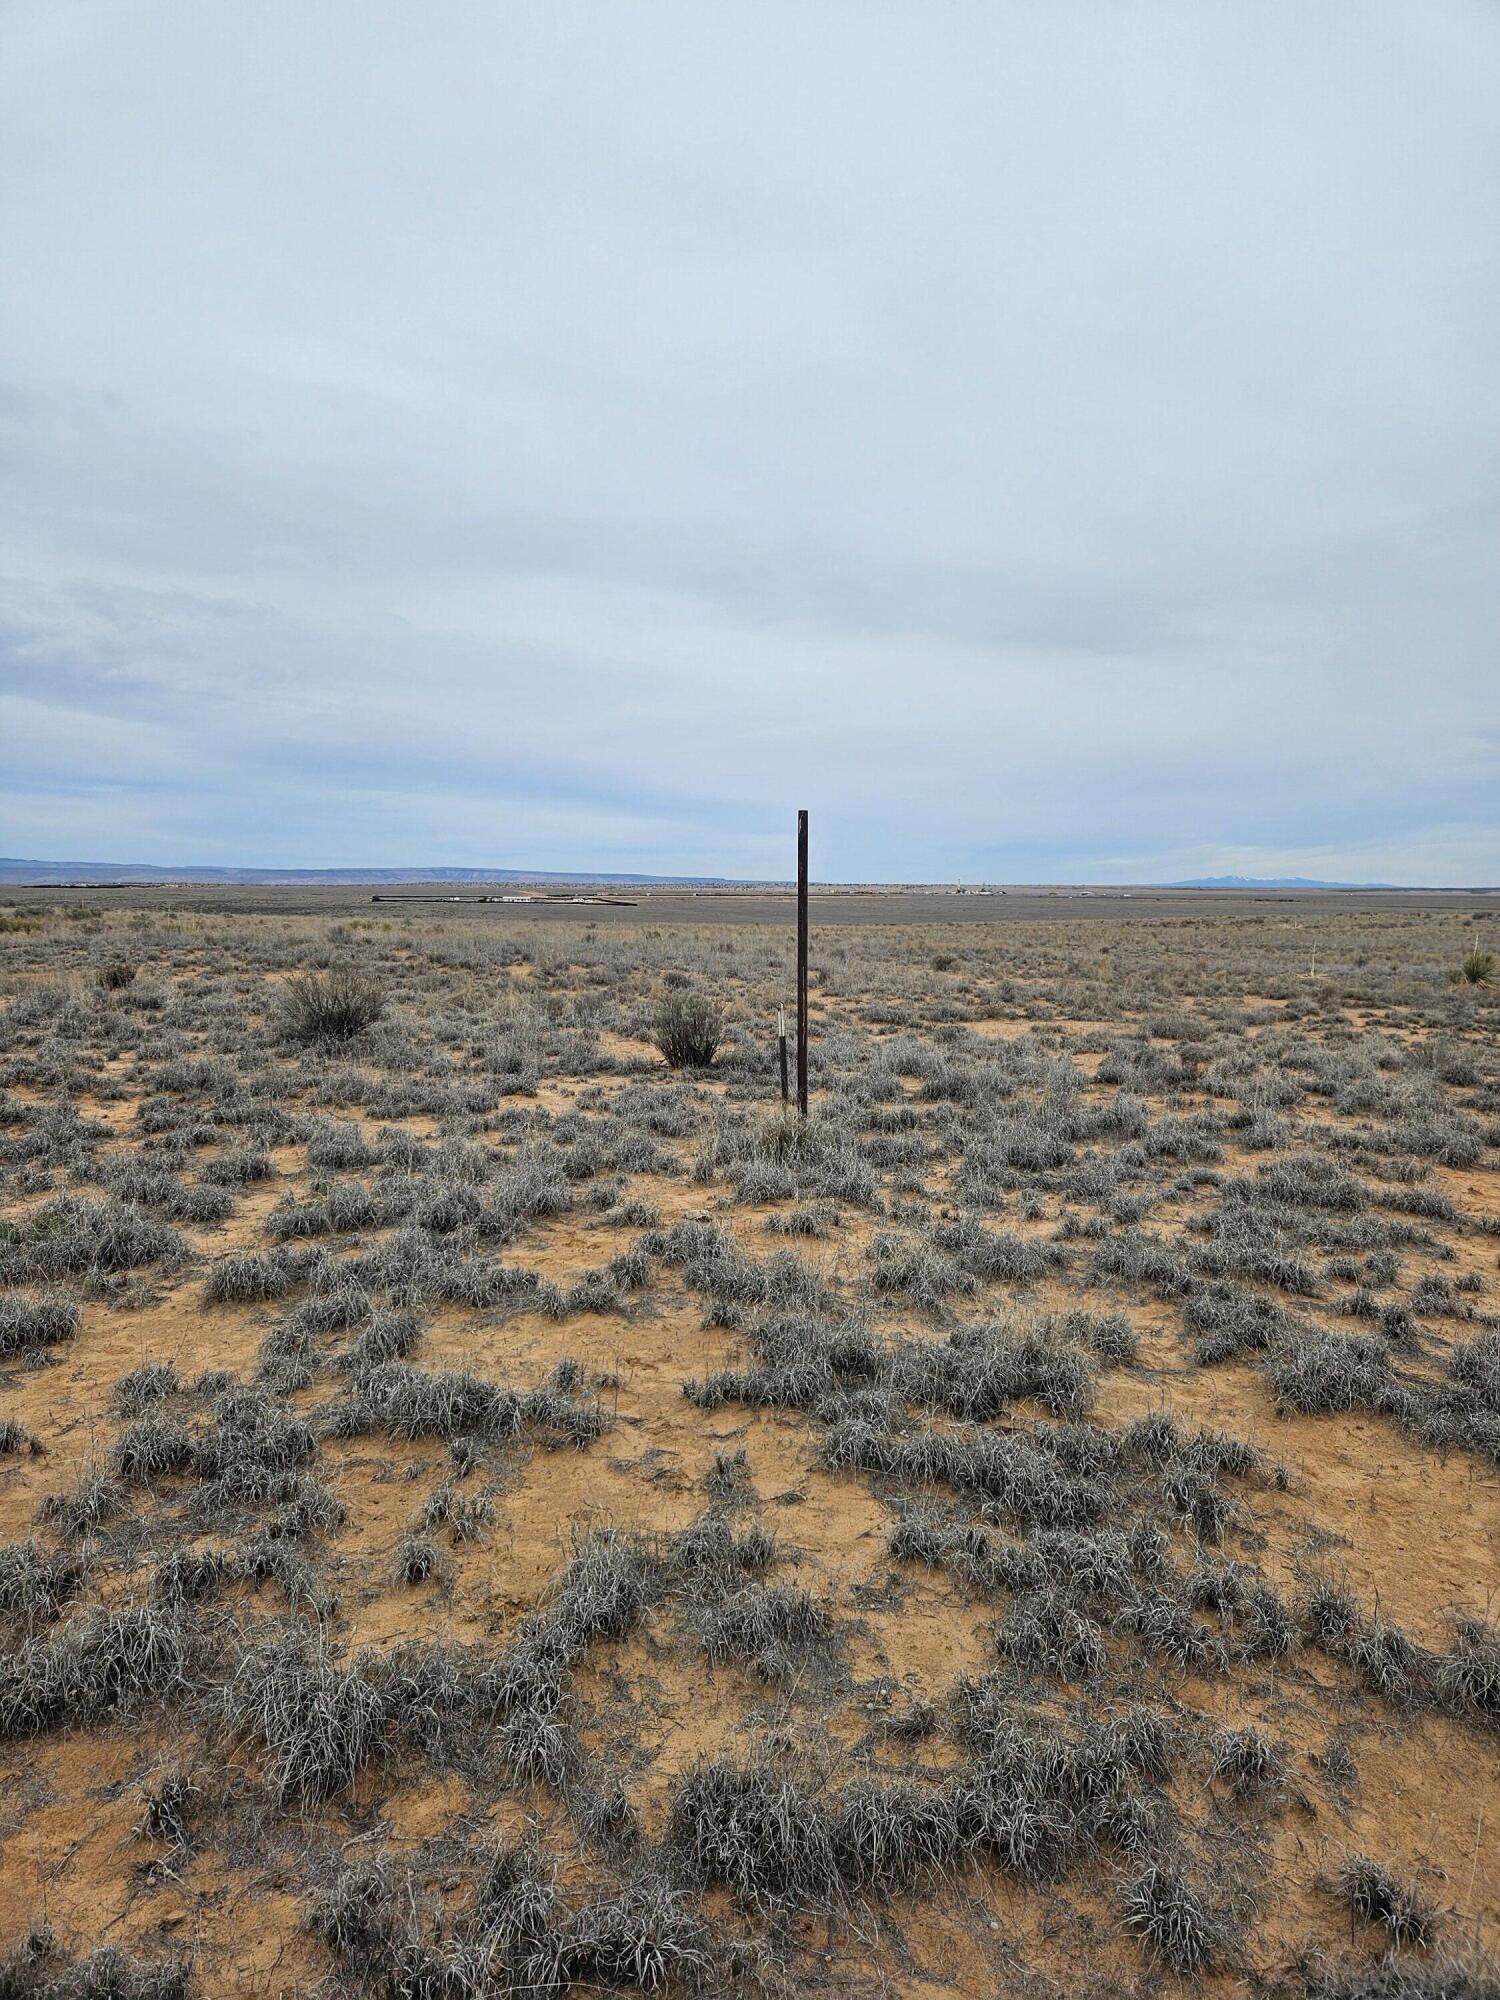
[(1050, 442)]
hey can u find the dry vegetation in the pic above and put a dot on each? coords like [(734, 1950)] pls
[(486, 1511)]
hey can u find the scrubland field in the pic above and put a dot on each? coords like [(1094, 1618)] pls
[(482, 1511)]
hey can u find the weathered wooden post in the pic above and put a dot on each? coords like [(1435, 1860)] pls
[(802, 962)]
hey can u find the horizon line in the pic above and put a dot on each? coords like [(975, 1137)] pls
[(140, 873)]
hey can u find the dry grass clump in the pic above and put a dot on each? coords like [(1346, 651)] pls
[(331, 1006), (1247, 1762), (758, 1833), (315, 1722), (687, 1028), (100, 1662), (29, 1323), (39, 1969), (772, 1627), (72, 1236), (1376, 1897), (1174, 1922)]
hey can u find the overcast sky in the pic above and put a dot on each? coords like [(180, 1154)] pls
[(1050, 441)]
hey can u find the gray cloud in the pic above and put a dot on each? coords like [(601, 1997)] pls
[(1049, 441)]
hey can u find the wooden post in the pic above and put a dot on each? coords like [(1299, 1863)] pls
[(802, 962), (786, 1088)]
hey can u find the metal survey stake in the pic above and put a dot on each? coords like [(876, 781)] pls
[(786, 1088), (802, 961)]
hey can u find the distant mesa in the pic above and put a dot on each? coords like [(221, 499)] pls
[(98, 874)]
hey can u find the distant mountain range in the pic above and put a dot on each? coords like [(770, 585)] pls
[(96, 873), (1269, 882)]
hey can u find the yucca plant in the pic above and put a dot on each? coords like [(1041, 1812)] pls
[(1477, 969)]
